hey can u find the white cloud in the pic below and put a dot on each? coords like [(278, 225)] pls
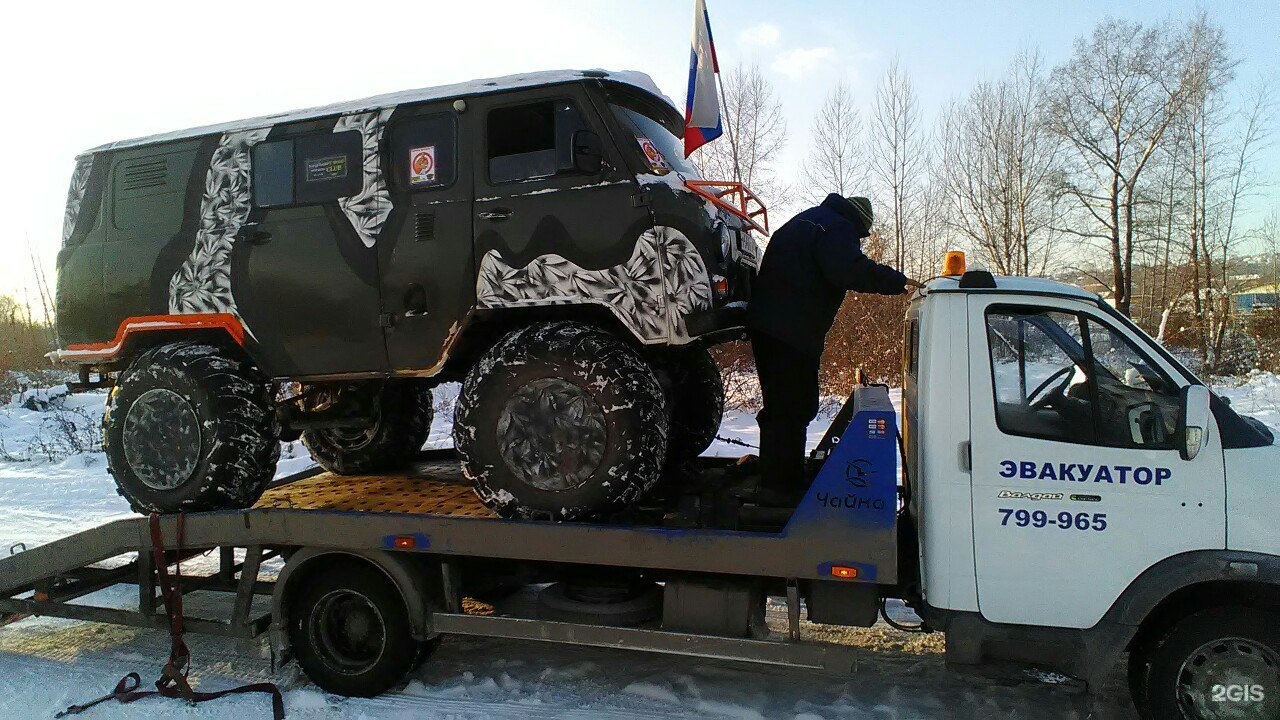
[(799, 63), (761, 35)]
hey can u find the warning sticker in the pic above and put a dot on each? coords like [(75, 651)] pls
[(322, 169), (422, 165), (653, 155)]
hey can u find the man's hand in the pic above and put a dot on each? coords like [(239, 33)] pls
[(914, 284)]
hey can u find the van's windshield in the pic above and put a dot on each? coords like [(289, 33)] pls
[(654, 125)]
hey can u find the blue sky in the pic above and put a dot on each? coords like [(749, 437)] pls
[(81, 74)]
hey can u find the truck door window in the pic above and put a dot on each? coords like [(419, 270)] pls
[(1037, 369), (1137, 405), (532, 141)]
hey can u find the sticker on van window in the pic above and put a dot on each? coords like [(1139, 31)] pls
[(422, 165), (653, 155), (333, 167)]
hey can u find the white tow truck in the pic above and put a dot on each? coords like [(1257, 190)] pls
[(1069, 493)]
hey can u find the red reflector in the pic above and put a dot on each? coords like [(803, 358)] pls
[(406, 542), (722, 285), (844, 571)]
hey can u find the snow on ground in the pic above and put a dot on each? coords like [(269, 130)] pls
[(54, 482)]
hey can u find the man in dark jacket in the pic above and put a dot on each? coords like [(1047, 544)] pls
[(809, 264)]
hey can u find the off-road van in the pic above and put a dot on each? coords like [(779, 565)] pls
[(315, 273)]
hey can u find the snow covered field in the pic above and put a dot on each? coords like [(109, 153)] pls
[(51, 487)]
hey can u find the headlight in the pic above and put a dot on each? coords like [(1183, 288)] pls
[(727, 237)]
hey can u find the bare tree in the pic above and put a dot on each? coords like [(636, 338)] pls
[(899, 163), (755, 133), (1112, 102), (999, 168), (836, 162)]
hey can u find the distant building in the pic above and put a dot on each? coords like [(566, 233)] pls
[(1263, 297)]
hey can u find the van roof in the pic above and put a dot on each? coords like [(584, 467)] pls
[(471, 87)]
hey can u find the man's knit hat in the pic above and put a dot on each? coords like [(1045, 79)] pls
[(863, 206)]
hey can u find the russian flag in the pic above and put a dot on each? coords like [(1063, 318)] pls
[(702, 106)]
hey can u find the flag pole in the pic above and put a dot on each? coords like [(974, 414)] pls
[(728, 129)]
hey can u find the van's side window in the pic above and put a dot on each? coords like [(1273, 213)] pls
[(308, 169), (424, 152), (532, 141)]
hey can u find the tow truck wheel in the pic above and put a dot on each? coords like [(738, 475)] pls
[(695, 395), (188, 428), (350, 631), (398, 426), (561, 421), (1218, 664)]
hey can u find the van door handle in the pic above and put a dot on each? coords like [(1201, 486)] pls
[(496, 214)]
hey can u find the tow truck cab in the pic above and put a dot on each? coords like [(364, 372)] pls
[(1074, 489)]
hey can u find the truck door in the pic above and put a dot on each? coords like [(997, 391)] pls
[(428, 269), (1078, 485), (541, 222), (304, 265)]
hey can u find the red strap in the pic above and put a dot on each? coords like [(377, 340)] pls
[(173, 679)]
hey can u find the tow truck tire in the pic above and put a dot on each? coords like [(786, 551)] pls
[(1219, 663), (695, 396), (349, 629), (189, 427), (561, 421), (398, 429)]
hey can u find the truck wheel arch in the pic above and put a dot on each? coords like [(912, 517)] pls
[(1190, 582), (409, 576)]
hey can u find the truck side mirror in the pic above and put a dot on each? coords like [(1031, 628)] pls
[(1194, 423), (588, 152)]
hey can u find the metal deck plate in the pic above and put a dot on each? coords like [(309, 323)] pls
[(434, 488)]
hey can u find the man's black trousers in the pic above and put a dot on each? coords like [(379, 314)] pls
[(789, 384)]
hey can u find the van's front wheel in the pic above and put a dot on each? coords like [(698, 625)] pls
[(561, 421)]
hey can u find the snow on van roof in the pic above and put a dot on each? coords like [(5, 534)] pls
[(440, 92), (1017, 284)]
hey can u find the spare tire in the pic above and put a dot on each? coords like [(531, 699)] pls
[(618, 605), (189, 427), (561, 421)]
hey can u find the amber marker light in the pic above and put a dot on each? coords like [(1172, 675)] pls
[(406, 542), (953, 263), (844, 571)]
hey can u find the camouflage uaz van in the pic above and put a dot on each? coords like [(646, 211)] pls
[(316, 273)]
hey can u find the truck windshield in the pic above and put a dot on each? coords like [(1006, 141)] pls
[(654, 129)]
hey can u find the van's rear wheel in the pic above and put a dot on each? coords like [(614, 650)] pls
[(399, 416), (190, 428), (349, 629), (561, 421), (1214, 665), (695, 396)]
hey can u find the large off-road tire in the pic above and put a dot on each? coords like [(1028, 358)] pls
[(695, 398), (349, 629), (188, 428), (1219, 663), (561, 421), (400, 424)]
